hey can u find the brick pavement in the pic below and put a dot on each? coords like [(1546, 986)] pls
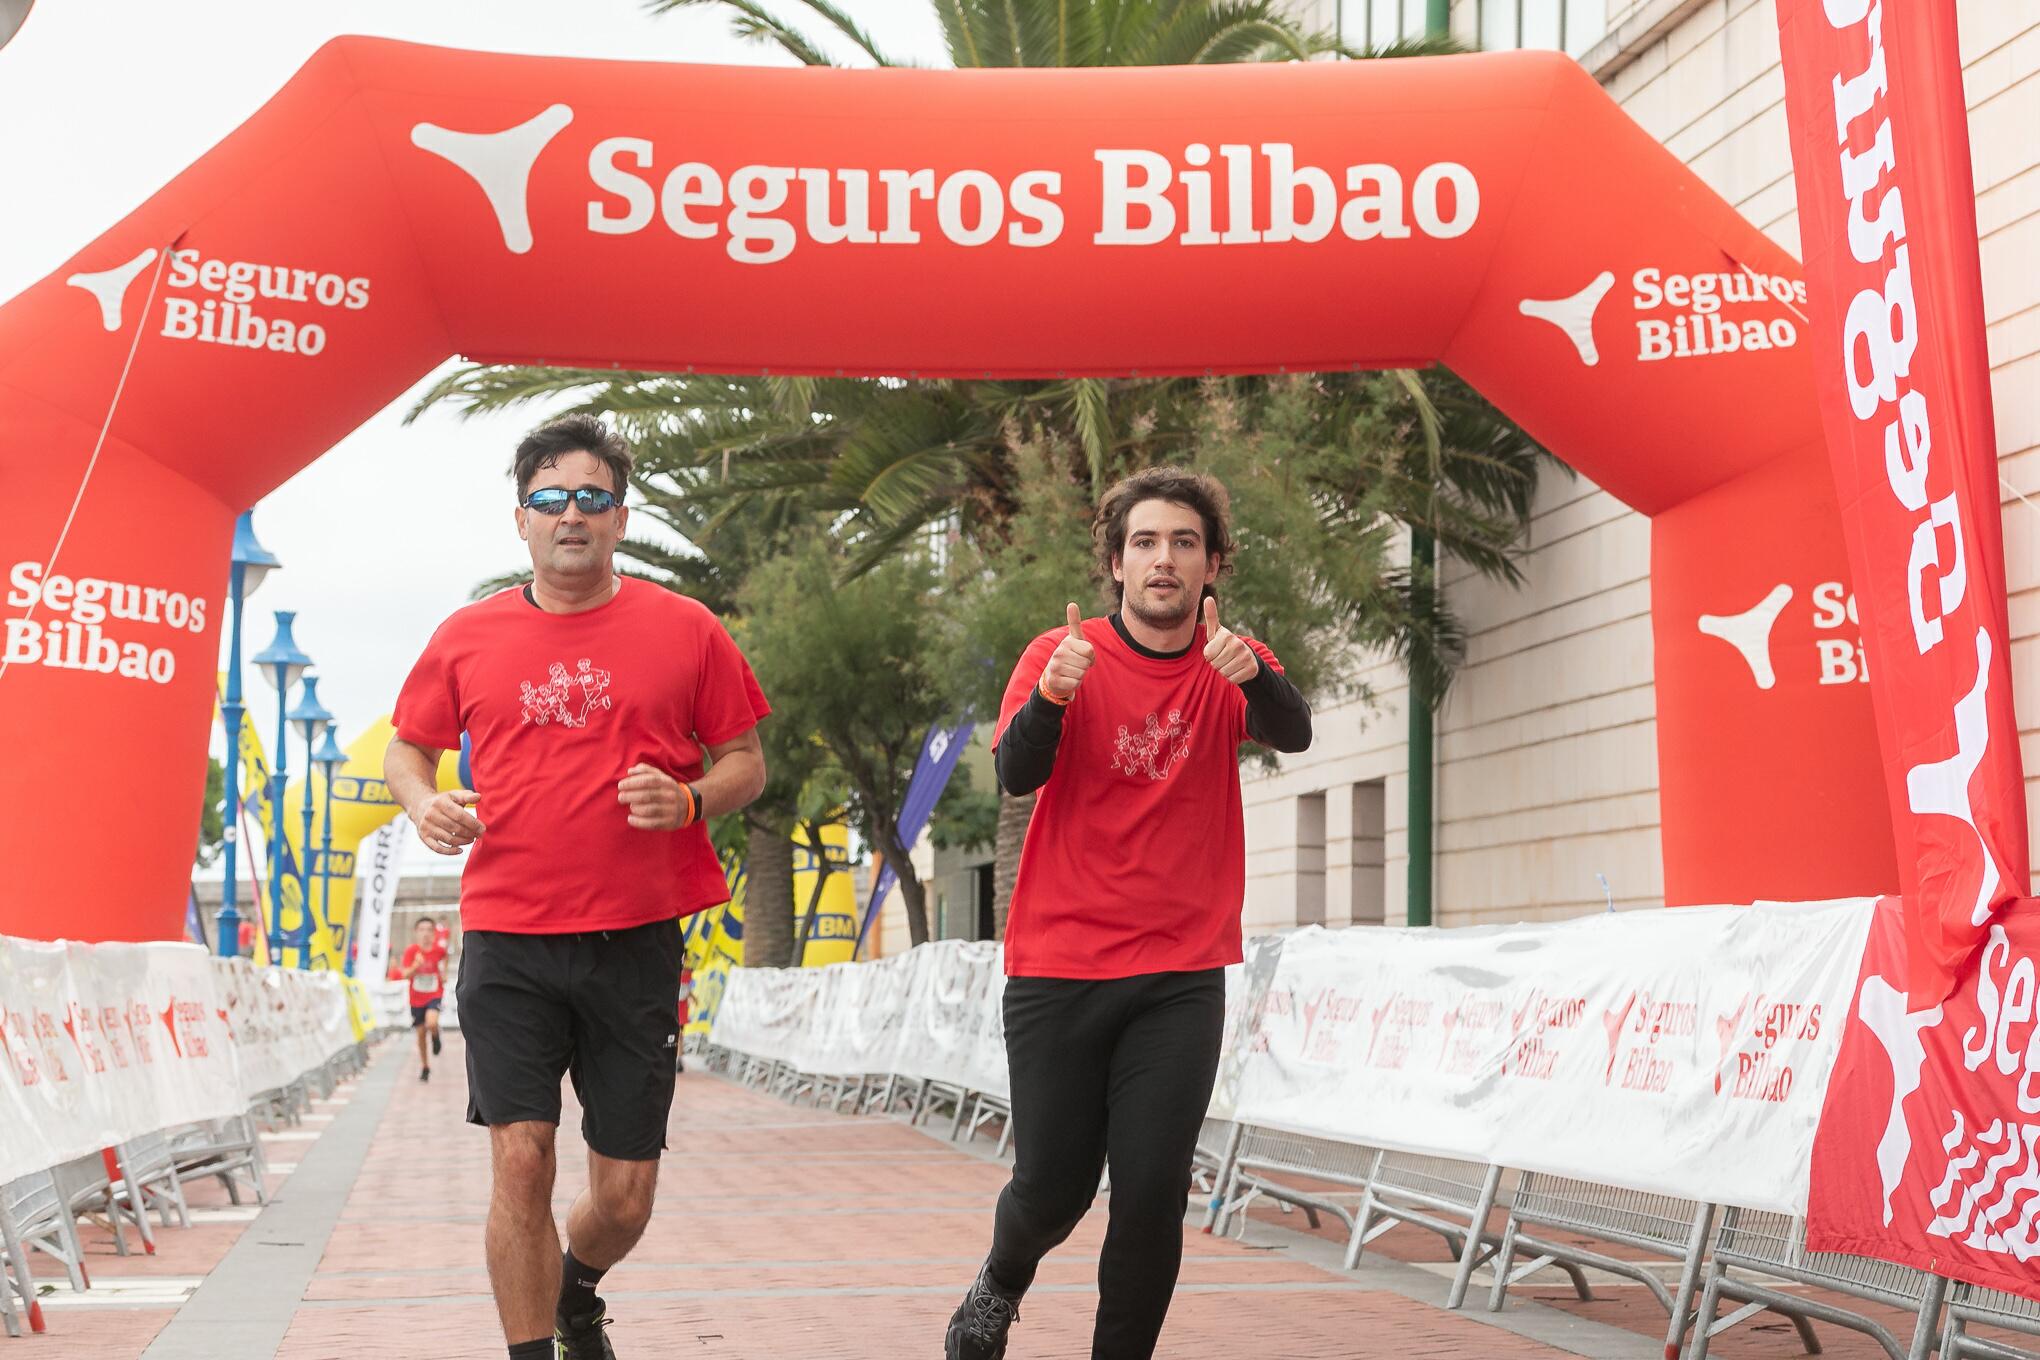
[(788, 1231)]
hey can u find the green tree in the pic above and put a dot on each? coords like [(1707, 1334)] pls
[(211, 819), (856, 663), (1320, 469)]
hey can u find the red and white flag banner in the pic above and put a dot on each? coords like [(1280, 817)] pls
[(1880, 153), (1928, 1151)]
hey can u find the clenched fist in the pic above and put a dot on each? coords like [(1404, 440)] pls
[(1073, 656), (1228, 653), (656, 800)]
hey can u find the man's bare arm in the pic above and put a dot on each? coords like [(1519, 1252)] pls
[(442, 818), (736, 775)]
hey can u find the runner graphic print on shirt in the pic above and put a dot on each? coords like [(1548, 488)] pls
[(1156, 750), (566, 699)]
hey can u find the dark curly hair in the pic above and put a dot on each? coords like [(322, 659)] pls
[(1193, 490), (554, 440)]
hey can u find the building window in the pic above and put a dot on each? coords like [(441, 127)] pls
[(1570, 26), (1369, 856), (1377, 23), (1310, 860)]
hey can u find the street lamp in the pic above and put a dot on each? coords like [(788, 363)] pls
[(329, 758), (282, 663), (311, 719), (251, 562)]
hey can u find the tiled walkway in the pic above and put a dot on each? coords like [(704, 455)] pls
[(781, 1232)]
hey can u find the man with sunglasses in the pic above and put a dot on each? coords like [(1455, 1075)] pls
[(609, 719)]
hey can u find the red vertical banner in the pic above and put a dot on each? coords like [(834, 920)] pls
[(1928, 1147), (1887, 218)]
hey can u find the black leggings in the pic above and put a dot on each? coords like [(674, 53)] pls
[(1120, 1068)]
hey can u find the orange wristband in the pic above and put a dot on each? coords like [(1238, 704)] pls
[(693, 813), (1059, 700)]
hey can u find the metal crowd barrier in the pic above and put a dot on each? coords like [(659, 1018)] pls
[(1416, 1189), (1662, 1225), (1969, 1304), (18, 1302), (228, 1149), (39, 1212), (1774, 1244), (39, 1218), (1262, 1158), (150, 1180), (985, 1110)]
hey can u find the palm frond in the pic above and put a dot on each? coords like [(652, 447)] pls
[(754, 23), (959, 30), (482, 388), (848, 27)]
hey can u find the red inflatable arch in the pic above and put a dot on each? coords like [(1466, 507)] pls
[(394, 204)]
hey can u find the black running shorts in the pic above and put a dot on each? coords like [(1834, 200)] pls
[(599, 1007)]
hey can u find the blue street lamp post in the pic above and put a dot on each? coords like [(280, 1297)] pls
[(282, 664), (311, 719), (329, 759), (251, 562)]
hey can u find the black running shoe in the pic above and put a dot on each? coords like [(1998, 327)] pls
[(424, 1074), (435, 1043), (978, 1327), (581, 1337)]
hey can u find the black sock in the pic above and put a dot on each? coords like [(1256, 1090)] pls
[(541, 1349), (577, 1286)]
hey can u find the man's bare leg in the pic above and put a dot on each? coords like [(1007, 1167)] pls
[(523, 1242), (609, 1217), (605, 1223)]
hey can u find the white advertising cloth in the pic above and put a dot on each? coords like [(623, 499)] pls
[(1685, 1052), (102, 1043)]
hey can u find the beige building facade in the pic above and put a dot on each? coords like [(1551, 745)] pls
[(1546, 775)]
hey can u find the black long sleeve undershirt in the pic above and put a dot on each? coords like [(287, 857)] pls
[(1277, 713), (1277, 716)]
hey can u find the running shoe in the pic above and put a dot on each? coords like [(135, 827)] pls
[(977, 1330), (581, 1337), (424, 1074), (435, 1043)]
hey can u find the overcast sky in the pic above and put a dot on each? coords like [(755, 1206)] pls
[(103, 101)]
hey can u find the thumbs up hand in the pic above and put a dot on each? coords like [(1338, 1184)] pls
[(1073, 656), (1232, 657)]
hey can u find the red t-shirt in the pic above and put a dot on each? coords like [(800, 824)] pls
[(1135, 861), (430, 979), (560, 707)]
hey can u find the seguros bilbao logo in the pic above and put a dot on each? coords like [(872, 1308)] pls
[(1208, 194), (1841, 659), (218, 301)]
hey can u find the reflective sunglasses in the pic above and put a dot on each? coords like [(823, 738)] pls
[(552, 500)]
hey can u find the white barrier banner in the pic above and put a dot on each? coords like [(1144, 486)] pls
[(285, 1021), (103, 1043), (854, 1027), (953, 1031), (1685, 1052), (765, 1012), (1246, 992)]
